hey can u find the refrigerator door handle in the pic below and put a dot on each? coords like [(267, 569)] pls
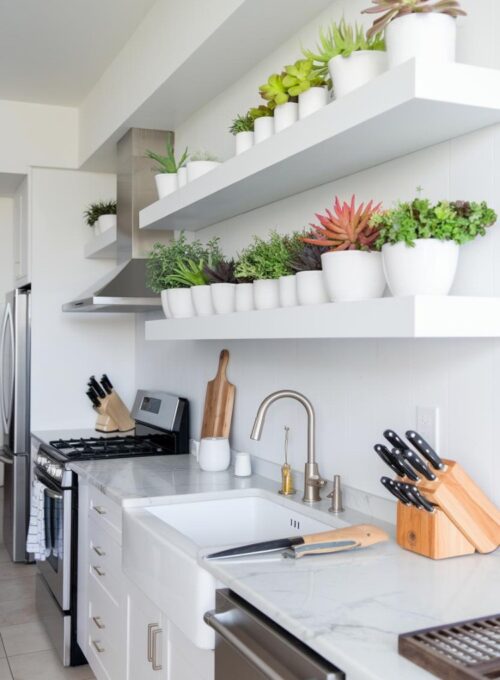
[(7, 315), (8, 414)]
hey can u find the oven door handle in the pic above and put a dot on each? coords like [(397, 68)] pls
[(53, 494)]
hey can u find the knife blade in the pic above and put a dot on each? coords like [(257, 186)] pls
[(390, 485), (95, 385), (417, 463), (424, 503), (425, 449), (390, 459)]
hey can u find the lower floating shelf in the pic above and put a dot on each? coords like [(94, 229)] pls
[(411, 317)]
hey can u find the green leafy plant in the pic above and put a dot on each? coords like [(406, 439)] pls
[(459, 221), (260, 111), (347, 227), (242, 124), (393, 9), (204, 156), (95, 210), (342, 39), (301, 76), (266, 259), (168, 163), (275, 92), (222, 272)]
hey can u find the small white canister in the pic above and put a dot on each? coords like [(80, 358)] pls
[(242, 464), (214, 454)]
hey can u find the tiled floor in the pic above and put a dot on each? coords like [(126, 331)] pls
[(25, 650)]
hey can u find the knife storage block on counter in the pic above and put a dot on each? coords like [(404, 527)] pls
[(113, 415)]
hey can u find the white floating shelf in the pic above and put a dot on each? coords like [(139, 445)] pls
[(406, 109), (102, 246), (412, 317)]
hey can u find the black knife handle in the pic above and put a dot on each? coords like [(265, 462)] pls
[(404, 489), (395, 440), (408, 470), (93, 398), (425, 449), (390, 485), (107, 382), (427, 505), (389, 459), (93, 383), (418, 464)]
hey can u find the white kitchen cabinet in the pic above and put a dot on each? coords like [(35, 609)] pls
[(147, 639), (22, 235)]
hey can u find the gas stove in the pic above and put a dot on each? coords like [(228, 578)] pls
[(112, 447)]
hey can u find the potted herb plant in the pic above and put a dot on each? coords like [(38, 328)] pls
[(306, 265), (423, 29), (284, 105), (352, 267), (223, 285), (101, 216), (167, 167), (200, 163), (350, 56), (242, 129), (306, 83), (263, 126), (421, 241)]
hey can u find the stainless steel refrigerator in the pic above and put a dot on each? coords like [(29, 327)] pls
[(15, 415)]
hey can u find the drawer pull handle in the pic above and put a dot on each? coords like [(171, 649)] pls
[(99, 551), (98, 622), (99, 509), (150, 643), (99, 571), (98, 646), (156, 666)]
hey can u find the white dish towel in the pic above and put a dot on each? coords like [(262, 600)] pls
[(36, 542)]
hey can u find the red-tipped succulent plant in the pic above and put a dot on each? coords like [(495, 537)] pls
[(346, 227)]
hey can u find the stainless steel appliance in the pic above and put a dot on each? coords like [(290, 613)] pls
[(249, 646), (162, 428), (15, 416)]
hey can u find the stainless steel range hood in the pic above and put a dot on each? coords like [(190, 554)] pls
[(125, 289)]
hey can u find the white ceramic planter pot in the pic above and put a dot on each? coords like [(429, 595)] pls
[(244, 297), (182, 176), (349, 73), (223, 297), (166, 183), (266, 294), (429, 37), (312, 100), (353, 275), (263, 128), (427, 269), (215, 454), (105, 222), (311, 288), (288, 291), (164, 304), (196, 169), (285, 115), (244, 141), (180, 303), (202, 300)]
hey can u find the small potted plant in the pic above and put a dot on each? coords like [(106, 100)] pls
[(421, 242), (263, 126), (223, 284), (423, 29), (101, 216), (284, 105), (352, 267), (200, 163), (166, 169), (242, 129), (350, 56), (306, 265), (306, 83)]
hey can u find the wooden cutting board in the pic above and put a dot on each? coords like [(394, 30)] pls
[(219, 402)]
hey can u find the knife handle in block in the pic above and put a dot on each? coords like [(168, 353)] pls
[(338, 540), (456, 472)]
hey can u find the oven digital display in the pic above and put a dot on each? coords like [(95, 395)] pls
[(151, 405)]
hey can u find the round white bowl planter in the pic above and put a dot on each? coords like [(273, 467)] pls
[(223, 297), (312, 100), (428, 268), (244, 297), (311, 288), (285, 115), (104, 222), (182, 176), (180, 303), (288, 291), (430, 36), (349, 73), (352, 275), (266, 294), (202, 300), (164, 304), (244, 141), (196, 169), (166, 183), (263, 128)]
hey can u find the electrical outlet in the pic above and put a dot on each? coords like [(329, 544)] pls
[(194, 447), (428, 424)]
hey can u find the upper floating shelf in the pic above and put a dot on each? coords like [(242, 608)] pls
[(412, 317), (102, 246), (406, 109)]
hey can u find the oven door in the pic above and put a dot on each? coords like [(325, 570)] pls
[(56, 568)]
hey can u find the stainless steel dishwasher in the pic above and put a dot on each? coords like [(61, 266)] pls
[(249, 646)]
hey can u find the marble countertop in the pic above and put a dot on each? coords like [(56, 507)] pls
[(348, 607)]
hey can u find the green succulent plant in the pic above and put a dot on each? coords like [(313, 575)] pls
[(301, 76), (260, 112), (242, 124), (274, 91), (393, 9), (204, 156), (95, 210), (168, 163)]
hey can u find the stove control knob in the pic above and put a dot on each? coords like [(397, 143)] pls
[(58, 473), (41, 460), (51, 469)]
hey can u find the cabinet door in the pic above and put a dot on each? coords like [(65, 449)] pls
[(147, 639), (22, 235)]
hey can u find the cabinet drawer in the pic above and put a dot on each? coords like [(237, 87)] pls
[(106, 512), (106, 634), (105, 561)]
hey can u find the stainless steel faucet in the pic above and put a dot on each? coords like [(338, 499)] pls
[(312, 480)]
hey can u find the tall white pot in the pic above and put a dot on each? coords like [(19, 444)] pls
[(288, 291), (244, 297), (430, 37), (285, 115), (223, 297), (312, 100), (428, 268), (353, 275), (311, 288), (106, 222), (180, 303), (266, 294), (243, 141), (263, 128), (349, 73), (202, 300), (166, 183)]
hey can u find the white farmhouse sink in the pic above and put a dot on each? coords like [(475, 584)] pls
[(162, 545)]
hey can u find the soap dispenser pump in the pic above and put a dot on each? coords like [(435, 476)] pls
[(286, 471)]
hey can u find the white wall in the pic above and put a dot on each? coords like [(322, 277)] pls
[(68, 348), (358, 387)]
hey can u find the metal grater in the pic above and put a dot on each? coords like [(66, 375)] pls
[(469, 649)]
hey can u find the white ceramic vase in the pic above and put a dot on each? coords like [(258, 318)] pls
[(105, 222), (244, 297), (196, 169), (164, 304), (182, 176), (311, 288), (288, 291), (352, 275), (429, 36), (223, 297), (285, 115), (266, 294), (263, 128), (166, 183), (243, 141), (428, 268), (349, 73), (214, 454), (180, 303), (202, 300), (312, 100)]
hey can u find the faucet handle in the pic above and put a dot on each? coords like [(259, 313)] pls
[(316, 480)]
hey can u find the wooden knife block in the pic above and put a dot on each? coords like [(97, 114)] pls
[(113, 415)]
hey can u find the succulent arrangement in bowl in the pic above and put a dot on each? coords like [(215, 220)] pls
[(201, 162), (101, 215)]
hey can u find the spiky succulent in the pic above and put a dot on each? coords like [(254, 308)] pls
[(307, 258), (347, 227), (242, 124), (168, 163), (221, 272), (301, 76), (393, 9)]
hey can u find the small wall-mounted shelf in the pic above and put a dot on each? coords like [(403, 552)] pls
[(405, 109), (102, 246), (412, 317)]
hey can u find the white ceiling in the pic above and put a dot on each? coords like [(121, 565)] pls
[(53, 51)]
